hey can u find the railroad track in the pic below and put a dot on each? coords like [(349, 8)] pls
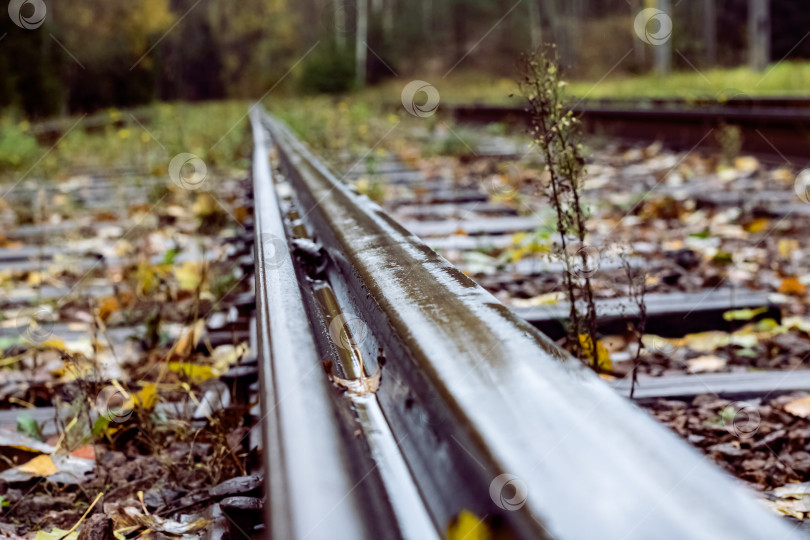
[(777, 129), (400, 398), (77, 335)]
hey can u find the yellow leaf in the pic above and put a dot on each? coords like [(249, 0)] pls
[(799, 407), (189, 275), (107, 306), (205, 205), (758, 225), (57, 534), (746, 163), (788, 247), (34, 279), (146, 277), (195, 372), (53, 343), (468, 526), (147, 396), (791, 285), (602, 354), (39, 466)]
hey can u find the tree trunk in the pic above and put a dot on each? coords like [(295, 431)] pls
[(535, 30), (759, 34), (360, 43), (663, 51)]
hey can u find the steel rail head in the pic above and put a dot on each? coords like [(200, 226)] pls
[(317, 483), (491, 416)]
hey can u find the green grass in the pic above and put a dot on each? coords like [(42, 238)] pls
[(165, 130), (784, 79)]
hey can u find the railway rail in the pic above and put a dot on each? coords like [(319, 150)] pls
[(398, 396), (773, 128)]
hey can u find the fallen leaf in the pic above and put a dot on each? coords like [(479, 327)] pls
[(146, 277), (799, 407), (468, 526), (57, 534), (54, 343), (731, 449), (787, 247), (57, 467), (797, 491), (541, 300), (189, 339), (224, 356), (34, 279), (189, 275), (130, 514), (785, 507), (241, 213), (602, 354), (205, 205), (757, 225), (107, 306), (195, 372), (87, 451), (743, 314), (791, 285), (147, 396), (39, 466), (707, 363)]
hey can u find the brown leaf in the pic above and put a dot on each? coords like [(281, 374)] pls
[(799, 407)]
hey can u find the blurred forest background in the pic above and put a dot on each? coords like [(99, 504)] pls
[(91, 54)]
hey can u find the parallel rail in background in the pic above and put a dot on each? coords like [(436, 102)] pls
[(476, 410), (773, 128)]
